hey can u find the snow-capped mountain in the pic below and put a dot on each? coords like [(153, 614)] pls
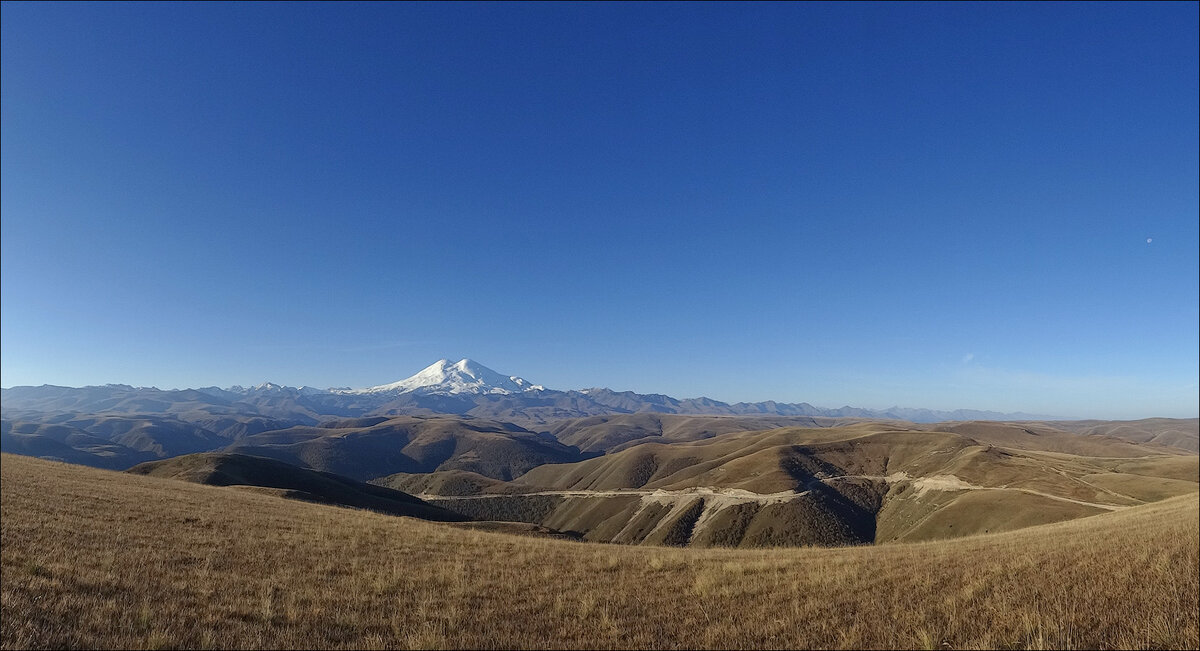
[(463, 376), (443, 387)]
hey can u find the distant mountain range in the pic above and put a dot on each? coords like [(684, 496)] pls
[(464, 387)]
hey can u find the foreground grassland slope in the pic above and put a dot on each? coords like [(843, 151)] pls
[(94, 558)]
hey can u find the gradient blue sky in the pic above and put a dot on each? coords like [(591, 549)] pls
[(934, 206)]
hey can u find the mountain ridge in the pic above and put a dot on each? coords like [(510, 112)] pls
[(465, 387)]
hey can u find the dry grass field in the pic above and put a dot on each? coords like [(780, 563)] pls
[(99, 559)]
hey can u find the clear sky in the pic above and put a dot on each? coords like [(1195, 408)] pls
[(950, 205)]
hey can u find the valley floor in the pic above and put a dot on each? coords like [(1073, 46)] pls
[(92, 558)]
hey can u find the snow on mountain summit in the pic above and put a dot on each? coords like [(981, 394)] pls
[(463, 376)]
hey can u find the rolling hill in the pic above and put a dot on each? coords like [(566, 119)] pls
[(611, 433), (1182, 433), (98, 559), (65, 443), (365, 449), (361, 448), (119, 440), (863, 483), (285, 480)]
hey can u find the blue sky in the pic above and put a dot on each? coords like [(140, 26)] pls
[(978, 206)]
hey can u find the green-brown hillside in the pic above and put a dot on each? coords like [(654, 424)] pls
[(66, 443), (1023, 436), (1182, 433), (286, 480), (869, 482), (612, 432), (448, 482), (118, 440), (411, 445)]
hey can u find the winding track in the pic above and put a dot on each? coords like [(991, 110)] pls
[(725, 497)]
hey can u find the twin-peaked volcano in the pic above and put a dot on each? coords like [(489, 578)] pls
[(463, 376)]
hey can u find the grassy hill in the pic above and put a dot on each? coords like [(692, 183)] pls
[(868, 482), (613, 432), (1033, 436), (369, 448), (285, 480), (119, 441), (1182, 433), (98, 559), (66, 443), (448, 482)]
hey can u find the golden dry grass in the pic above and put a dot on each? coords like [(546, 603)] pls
[(91, 558)]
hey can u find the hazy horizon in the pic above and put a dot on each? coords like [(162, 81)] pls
[(877, 407), (987, 207)]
